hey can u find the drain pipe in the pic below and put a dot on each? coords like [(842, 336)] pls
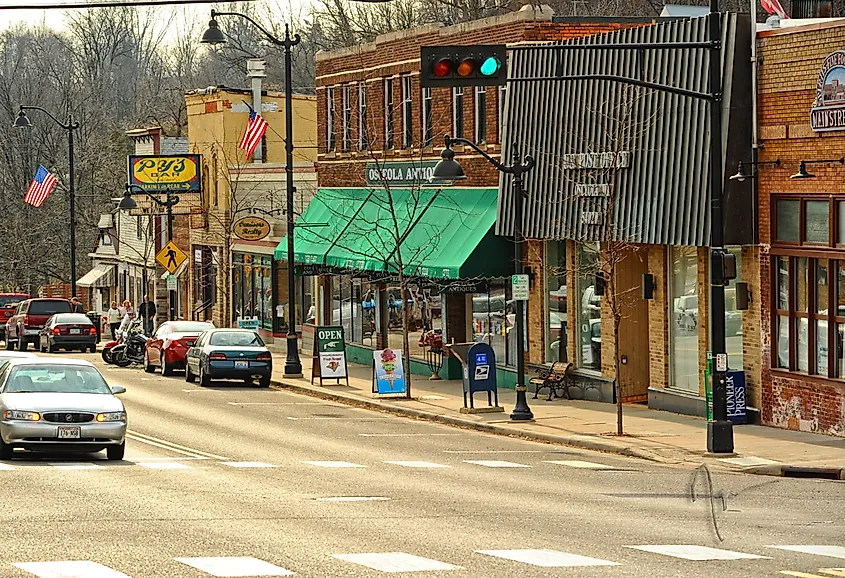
[(754, 137)]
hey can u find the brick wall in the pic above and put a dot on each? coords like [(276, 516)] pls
[(791, 60), (658, 318)]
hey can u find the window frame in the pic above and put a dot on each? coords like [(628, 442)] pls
[(389, 119), (480, 114), (802, 200), (427, 116), (331, 141), (363, 141), (502, 93), (346, 117), (458, 119), (407, 111)]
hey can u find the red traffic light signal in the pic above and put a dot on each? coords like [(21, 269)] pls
[(448, 66)]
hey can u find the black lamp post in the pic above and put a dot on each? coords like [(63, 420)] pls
[(741, 175), (213, 35), (127, 203), (448, 169), (23, 122), (802, 168)]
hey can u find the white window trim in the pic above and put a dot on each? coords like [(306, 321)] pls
[(346, 118), (330, 141), (426, 97), (455, 95), (407, 112), (476, 100), (363, 143), (389, 117)]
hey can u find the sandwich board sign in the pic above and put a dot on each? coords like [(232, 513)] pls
[(329, 355), (388, 373)]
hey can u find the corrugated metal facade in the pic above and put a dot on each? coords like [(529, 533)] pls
[(659, 141)]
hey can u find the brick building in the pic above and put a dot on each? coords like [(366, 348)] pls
[(802, 227), (380, 134)]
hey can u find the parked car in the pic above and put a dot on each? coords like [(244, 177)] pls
[(25, 325), (169, 347), (8, 304), (229, 354), (68, 331), (59, 405)]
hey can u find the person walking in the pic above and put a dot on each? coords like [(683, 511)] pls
[(114, 318), (148, 314)]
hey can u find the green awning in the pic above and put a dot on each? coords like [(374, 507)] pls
[(444, 233)]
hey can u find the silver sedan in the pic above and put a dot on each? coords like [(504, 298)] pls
[(59, 405)]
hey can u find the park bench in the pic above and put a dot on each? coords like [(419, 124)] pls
[(555, 378)]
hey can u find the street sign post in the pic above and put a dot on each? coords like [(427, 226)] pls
[(171, 282), (519, 287), (170, 257)]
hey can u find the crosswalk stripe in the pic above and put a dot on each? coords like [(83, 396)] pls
[(692, 552), (231, 566), (248, 465), (800, 574), (496, 464), (6, 467), (395, 562), (833, 571), (76, 465), (580, 464), (830, 551), (69, 569), (335, 465), (418, 464), (164, 466), (547, 558)]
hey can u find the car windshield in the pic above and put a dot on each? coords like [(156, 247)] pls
[(48, 307), (236, 338), (189, 327), (56, 379), (72, 318), (7, 300)]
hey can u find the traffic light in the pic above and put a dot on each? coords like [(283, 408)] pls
[(479, 65)]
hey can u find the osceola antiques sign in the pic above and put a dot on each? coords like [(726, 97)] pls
[(251, 228), (829, 105), (399, 173), (329, 355)]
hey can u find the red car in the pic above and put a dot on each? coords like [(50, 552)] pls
[(8, 302), (168, 348)]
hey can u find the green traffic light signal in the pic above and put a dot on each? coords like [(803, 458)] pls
[(490, 66)]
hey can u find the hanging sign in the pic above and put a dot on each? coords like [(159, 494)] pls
[(399, 173), (157, 173), (388, 373), (328, 360), (828, 111), (251, 228), (170, 257)]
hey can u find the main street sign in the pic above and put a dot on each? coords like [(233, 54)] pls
[(170, 257), (157, 173)]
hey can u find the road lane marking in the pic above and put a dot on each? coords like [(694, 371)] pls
[(800, 574), (151, 459), (165, 466), (234, 566), (494, 451), (547, 558), (6, 467), (829, 551), (581, 464), (395, 562), (405, 435), (353, 499), (418, 464), (833, 571), (335, 465), (277, 403), (76, 465), (69, 569), (248, 465), (749, 461), (692, 552), (158, 442), (496, 464)]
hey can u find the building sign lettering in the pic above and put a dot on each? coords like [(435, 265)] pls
[(157, 173), (400, 173), (829, 106), (591, 218), (251, 228), (592, 190), (621, 159)]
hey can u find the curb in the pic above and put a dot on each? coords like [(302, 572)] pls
[(574, 440), (790, 471)]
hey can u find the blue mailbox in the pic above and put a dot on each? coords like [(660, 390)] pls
[(479, 371)]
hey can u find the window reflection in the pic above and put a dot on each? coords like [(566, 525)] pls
[(556, 336), (589, 350), (683, 337)]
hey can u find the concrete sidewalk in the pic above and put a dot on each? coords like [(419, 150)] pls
[(649, 434)]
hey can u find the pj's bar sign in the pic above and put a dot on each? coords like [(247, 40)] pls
[(157, 173)]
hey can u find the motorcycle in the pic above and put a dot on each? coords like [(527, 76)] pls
[(134, 347), (120, 337)]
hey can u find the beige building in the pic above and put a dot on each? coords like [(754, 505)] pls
[(233, 273)]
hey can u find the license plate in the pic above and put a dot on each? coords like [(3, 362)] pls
[(69, 433), (239, 363), (74, 331)]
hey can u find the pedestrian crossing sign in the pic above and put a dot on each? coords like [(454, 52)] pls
[(170, 257)]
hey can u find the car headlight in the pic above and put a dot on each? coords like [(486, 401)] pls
[(112, 416), (23, 415)]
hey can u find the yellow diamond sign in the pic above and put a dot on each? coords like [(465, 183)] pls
[(170, 257)]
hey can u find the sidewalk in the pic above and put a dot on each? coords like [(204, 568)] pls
[(650, 434)]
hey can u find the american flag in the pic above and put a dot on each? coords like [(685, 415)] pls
[(773, 7), (40, 187), (255, 129)]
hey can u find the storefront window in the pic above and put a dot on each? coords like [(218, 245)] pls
[(683, 335), (733, 317), (252, 293), (556, 335), (492, 319), (589, 350)]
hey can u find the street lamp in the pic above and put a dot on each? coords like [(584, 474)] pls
[(127, 203), (213, 35), (448, 169), (802, 168), (22, 121), (741, 175)]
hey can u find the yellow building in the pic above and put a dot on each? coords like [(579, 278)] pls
[(240, 218)]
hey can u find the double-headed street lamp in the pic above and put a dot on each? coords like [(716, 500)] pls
[(213, 35), (449, 170), (71, 125), (127, 203)]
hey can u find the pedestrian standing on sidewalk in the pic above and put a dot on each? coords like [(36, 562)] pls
[(148, 314), (75, 305), (114, 318)]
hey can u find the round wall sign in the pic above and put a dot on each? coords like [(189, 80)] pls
[(251, 228)]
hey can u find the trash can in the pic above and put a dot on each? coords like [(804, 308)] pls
[(97, 320), (479, 370)]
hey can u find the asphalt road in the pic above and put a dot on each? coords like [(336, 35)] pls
[(236, 481)]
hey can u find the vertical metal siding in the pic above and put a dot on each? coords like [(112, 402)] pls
[(662, 196)]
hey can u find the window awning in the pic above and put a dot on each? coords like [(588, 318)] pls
[(102, 275), (442, 233)]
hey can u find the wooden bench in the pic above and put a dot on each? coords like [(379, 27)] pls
[(556, 378)]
